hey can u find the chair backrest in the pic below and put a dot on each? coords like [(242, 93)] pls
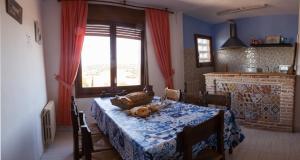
[(191, 97), (74, 116), (217, 99), (74, 105), (193, 135), (172, 94), (86, 139), (76, 128)]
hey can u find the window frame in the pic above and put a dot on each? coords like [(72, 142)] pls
[(113, 89), (203, 64)]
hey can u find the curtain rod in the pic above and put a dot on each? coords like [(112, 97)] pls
[(124, 3)]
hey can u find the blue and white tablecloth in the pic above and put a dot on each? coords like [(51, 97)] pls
[(154, 137)]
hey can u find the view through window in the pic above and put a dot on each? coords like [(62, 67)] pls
[(128, 62), (95, 61), (204, 50), (106, 62)]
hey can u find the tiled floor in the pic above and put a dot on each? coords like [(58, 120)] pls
[(258, 145), (268, 145), (61, 149)]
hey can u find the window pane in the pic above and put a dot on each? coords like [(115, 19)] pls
[(204, 50), (95, 61), (128, 62)]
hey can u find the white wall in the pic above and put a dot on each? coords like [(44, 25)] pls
[(155, 76), (51, 32), (23, 91), (176, 36), (51, 23), (177, 51)]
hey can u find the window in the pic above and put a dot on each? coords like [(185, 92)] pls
[(128, 56), (111, 59), (203, 50)]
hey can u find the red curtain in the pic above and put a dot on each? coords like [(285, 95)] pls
[(160, 31), (73, 22)]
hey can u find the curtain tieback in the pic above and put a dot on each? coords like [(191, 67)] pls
[(64, 83)]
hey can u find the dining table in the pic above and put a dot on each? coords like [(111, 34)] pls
[(155, 137)]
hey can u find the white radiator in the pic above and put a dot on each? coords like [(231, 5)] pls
[(48, 123)]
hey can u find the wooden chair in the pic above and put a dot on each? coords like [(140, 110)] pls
[(89, 149), (77, 148), (172, 94), (217, 100), (193, 135), (191, 98), (76, 132), (92, 123)]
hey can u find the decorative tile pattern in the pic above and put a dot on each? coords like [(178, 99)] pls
[(252, 112), (268, 58), (262, 89), (253, 102), (274, 96)]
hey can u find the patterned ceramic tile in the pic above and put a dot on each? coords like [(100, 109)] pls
[(248, 110), (275, 109), (265, 110), (256, 98), (270, 112), (266, 99), (247, 98), (245, 88), (276, 89), (231, 87), (239, 110), (253, 102), (252, 112), (239, 96), (275, 99), (262, 89)]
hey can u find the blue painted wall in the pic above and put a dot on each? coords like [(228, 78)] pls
[(248, 28), (192, 26), (258, 27)]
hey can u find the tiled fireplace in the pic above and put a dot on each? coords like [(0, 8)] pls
[(258, 100)]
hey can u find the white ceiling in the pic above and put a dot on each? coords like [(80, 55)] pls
[(206, 9)]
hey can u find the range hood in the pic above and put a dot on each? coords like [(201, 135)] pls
[(233, 41)]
